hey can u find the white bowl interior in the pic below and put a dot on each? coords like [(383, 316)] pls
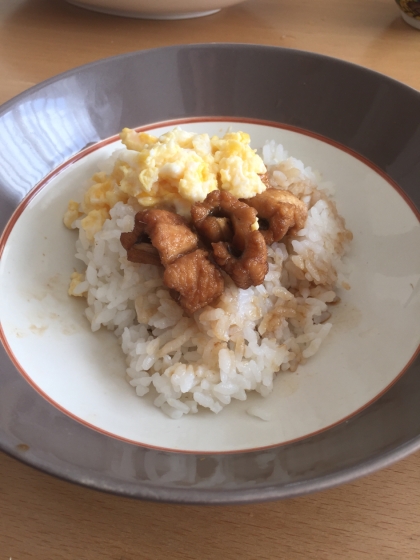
[(375, 332)]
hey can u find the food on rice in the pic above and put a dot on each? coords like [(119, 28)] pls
[(166, 231), (239, 219), (239, 340), (236, 244), (278, 212), (193, 281)]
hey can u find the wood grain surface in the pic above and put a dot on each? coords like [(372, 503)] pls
[(42, 518), (47, 519)]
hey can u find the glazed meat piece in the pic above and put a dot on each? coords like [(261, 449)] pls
[(194, 281), (222, 217), (248, 269), (143, 253), (216, 229), (168, 233), (238, 248), (278, 211), (162, 237), (138, 235)]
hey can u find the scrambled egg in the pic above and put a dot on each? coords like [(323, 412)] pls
[(172, 172), (76, 279)]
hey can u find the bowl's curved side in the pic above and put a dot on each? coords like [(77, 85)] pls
[(158, 9), (369, 113)]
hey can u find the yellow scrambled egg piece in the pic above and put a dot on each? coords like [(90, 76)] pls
[(172, 171), (176, 168), (239, 166), (76, 279), (93, 222), (72, 214)]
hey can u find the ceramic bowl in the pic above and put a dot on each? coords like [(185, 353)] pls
[(158, 9), (65, 406), (410, 12)]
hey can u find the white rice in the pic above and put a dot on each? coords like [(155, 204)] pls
[(222, 352)]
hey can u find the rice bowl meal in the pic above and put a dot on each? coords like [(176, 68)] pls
[(213, 265), (67, 404)]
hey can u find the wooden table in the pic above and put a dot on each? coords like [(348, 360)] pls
[(43, 518)]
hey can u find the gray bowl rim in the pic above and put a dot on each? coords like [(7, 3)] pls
[(197, 495)]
